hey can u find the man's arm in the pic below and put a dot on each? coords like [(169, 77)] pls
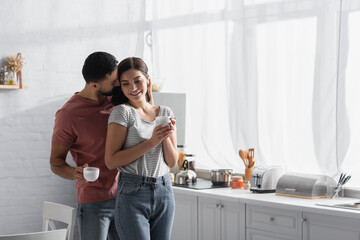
[(59, 165)]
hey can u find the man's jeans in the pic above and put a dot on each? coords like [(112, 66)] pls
[(96, 220), (144, 207)]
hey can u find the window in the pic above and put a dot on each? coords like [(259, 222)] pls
[(351, 162), (285, 67), (281, 76)]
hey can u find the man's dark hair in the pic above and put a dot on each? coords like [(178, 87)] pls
[(97, 65)]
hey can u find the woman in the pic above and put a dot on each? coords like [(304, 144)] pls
[(143, 153)]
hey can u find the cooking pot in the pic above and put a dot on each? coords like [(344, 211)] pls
[(186, 176), (221, 177)]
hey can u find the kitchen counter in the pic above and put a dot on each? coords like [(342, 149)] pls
[(272, 200)]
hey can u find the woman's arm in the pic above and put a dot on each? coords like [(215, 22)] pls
[(116, 135), (170, 146)]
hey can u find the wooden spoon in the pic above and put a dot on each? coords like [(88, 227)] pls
[(251, 164), (243, 156), (250, 156)]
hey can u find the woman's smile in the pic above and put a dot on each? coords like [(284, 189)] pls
[(135, 94)]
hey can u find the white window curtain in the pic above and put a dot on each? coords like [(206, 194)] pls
[(286, 84), (348, 114), (189, 56), (277, 76)]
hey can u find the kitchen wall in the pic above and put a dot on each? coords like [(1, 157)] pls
[(54, 37)]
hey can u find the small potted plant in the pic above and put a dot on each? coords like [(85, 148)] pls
[(15, 65)]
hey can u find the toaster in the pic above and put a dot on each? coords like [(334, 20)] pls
[(264, 178)]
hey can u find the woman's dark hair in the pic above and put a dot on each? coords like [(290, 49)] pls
[(97, 65), (125, 65)]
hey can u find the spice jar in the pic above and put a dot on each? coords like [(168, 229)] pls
[(236, 182), (246, 185)]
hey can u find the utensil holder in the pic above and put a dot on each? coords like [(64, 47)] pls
[(336, 191), (248, 172)]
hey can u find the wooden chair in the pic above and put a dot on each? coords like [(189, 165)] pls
[(61, 213), (59, 234)]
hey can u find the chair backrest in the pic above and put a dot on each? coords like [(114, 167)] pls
[(59, 234), (59, 212)]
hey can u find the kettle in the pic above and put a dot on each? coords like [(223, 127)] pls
[(186, 176)]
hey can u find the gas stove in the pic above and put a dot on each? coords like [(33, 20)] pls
[(201, 184)]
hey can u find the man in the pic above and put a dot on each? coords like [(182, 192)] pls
[(80, 127)]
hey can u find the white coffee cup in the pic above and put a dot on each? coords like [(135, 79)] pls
[(91, 173), (163, 121)]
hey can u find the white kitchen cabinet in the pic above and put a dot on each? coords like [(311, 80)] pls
[(276, 223), (318, 227), (185, 222), (206, 215), (252, 234), (220, 220)]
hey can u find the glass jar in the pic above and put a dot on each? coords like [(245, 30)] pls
[(3, 75), (182, 156), (236, 182), (246, 185), (12, 78)]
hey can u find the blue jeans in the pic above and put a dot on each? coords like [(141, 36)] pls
[(96, 220), (145, 207)]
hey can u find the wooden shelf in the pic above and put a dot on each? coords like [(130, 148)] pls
[(11, 87)]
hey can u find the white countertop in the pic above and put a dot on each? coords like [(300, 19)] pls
[(272, 200)]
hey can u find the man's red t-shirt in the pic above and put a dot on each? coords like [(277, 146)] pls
[(82, 124)]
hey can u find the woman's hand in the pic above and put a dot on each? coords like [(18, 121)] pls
[(160, 133), (173, 122)]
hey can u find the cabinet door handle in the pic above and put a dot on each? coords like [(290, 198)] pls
[(304, 219), (219, 206), (271, 219)]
